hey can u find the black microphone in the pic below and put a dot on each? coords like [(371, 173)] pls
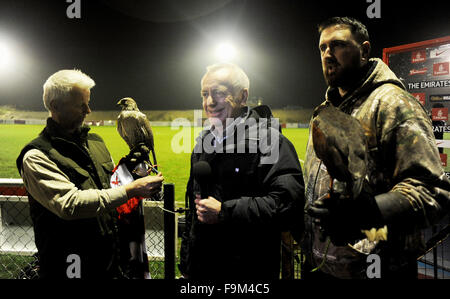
[(202, 174)]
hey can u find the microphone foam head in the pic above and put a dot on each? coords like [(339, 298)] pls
[(201, 170)]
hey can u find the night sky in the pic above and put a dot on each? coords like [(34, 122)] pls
[(157, 51)]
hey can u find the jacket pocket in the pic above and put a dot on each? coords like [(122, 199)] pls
[(108, 167), (80, 178), (238, 175)]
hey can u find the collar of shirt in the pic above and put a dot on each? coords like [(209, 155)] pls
[(219, 137)]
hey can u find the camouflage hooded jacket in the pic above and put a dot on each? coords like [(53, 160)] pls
[(402, 158)]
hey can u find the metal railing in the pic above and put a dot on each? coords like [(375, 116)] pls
[(18, 251), (436, 263)]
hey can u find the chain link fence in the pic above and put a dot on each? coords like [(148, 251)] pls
[(18, 258), (435, 264), (291, 257), (18, 253)]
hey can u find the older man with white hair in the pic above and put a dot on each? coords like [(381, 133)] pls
[(66, 171), (243, 190)]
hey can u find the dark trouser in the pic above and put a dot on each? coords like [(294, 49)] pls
[(406, 271), (317, 275)]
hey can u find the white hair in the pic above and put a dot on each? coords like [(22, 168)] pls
[(238, 78), (59, 85)]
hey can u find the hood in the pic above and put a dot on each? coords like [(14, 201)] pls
[(378, 74), (264, 111)]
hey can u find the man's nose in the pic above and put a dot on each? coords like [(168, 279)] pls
[(210, 100), (327, 52)]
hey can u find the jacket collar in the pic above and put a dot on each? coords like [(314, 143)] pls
[(375, 74), (54, 130), (336, 99), (220, 136)]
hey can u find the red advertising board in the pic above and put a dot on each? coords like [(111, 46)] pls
[(444, 159), (440, 69), (439, 114), (420, 96), (418, 56), (424, 69)]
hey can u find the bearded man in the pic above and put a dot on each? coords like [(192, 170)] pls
[(405, 186)]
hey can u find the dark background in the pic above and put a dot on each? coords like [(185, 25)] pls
[(157, 51)]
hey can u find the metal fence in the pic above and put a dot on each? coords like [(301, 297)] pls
[(18, 259), (436, 263), (291, 257)]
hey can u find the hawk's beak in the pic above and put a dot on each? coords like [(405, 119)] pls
[(119, 103)]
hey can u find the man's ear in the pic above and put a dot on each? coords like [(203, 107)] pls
[(53, 105), (244, 96), (365, 51)]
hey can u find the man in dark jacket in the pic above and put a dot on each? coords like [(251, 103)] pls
[(67, 171), (252, 191), (405, 186)]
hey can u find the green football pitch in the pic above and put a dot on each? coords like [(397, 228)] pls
[(172, 145)]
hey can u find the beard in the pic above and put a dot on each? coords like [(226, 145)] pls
[(337, 75)]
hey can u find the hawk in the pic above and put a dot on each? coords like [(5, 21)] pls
[(134, 128), (339, 141)]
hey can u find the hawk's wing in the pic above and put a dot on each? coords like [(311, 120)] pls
[(134, 128), (339, 141)]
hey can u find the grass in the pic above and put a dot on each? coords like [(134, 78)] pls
[(10, 265), (173, 148), (285, 115), (173, 164)]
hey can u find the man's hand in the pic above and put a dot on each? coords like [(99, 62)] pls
[(334, 220), (145, 187), (137, 155), (342, 218), (208, 210)]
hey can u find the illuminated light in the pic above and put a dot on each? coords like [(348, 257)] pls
[(14, 62), (5, 56), (226, 52)]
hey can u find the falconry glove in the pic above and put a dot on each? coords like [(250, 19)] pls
[(343, 218), (137, 155)]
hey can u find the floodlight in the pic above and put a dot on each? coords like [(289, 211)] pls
[(5, 56), (226, 52)]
